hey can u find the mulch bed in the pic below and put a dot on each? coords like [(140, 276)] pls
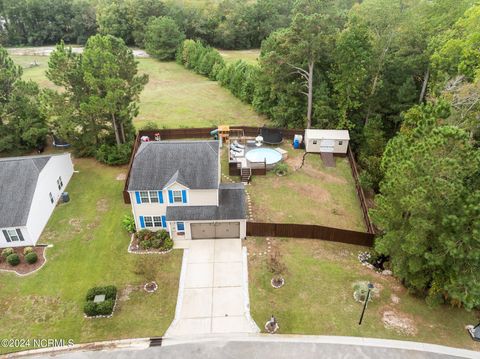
[(24, 268), (134, 247)]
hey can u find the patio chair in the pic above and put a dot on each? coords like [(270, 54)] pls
[(236, 144)]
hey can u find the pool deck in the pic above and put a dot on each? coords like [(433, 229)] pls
[(246, 163)]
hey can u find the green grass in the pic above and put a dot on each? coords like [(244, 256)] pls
[(174, 96), (249, 56), (318, 296), (177, 97), (313, 194), (89, 249)]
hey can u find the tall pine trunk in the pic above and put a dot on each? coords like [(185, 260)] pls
[(310, 94), (115, 129), (424, 85)]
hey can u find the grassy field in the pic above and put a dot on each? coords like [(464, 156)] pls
[(313, 194), (174, 97), (249, 56), (89, 249), (317, 297)]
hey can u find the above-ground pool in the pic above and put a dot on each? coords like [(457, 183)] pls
[(264, 154)]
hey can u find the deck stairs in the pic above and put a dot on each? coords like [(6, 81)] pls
[(245, 174)]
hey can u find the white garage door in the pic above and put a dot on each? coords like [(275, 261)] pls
[(326, 145), (215, 230)]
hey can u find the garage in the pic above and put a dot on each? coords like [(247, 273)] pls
[(215, 230)]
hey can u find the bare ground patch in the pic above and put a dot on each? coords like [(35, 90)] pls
[(399, 322), (322, 176), (102, 205), (313, 192), (76, 224), (121, 177)]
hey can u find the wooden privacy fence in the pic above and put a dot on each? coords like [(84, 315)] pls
[(309, 231), (204, 132), (360, 193)]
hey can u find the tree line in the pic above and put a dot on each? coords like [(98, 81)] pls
[(229, 24)]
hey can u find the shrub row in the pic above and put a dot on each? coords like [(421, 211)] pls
[(157, 240), (13, 258), (92, 309), (113, 154), (239, 77)]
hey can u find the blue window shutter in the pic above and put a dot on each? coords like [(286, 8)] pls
[(184, 196), (137, 196), (170, 196), (160, 197), (164, 222), (7, 237), (142, 222)]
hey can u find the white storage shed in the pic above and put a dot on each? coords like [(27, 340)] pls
[(329, 141)]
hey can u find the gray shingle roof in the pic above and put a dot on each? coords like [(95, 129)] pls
[(231, 206), (157, 164), (18, 180)]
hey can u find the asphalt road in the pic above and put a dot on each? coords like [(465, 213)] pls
[(265, 349)]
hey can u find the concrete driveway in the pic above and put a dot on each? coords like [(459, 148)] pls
[(213, 293)]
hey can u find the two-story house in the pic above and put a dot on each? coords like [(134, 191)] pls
[(176, 185), (30, 188)]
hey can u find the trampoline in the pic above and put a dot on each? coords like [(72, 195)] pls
[(271, 136), (268, 155)]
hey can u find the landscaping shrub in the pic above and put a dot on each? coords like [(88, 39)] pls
[(158, 240), (110, 292), (113, 154), (31, 257), (275, 263), (103, 308), (7, 251), (128, 222), (281, 168), (156, 243), (13, 259), (27, 250)]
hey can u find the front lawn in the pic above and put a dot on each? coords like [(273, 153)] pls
[(90, 249), (318, 297), (312, 194)]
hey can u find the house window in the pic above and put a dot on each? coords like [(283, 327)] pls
[(180, 227), (157, 221), (59, 183), (340, 143), (177, 196), (314, 142), (12, 234), (148, 222), (51, 197), (144, 198), (153, 197)]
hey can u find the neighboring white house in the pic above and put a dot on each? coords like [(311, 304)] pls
[(331, 141), (175, 185), (29, 190)]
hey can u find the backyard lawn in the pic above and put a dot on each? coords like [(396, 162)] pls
[(174, 96), (317, 297), (312, 194), (89, 249)]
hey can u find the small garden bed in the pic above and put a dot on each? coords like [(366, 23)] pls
[(100, 302), (22, 260), (146, 241)]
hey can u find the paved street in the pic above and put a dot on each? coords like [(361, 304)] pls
[(213, 294), (279, 347)]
